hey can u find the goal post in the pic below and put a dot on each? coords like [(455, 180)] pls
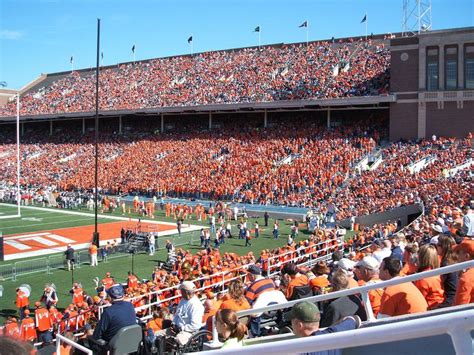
[(18, 163)]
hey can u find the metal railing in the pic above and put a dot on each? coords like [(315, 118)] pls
[(60, 338), (224, 278), (275, 263), (364, 290), (457, 325), (52, 262), (57, 261)]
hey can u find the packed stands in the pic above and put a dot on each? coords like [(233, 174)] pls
[(281, 72), (233, 163)]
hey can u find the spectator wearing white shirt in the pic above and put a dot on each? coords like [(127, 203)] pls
[(187, 319), (468, 223)]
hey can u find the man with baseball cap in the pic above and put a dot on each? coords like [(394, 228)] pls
[(260, 293), (367, 272), (305, 317), (120, 314), (258, 284), (187, 319)]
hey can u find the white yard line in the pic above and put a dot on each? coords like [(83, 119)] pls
[(45, 224), (89, 214)]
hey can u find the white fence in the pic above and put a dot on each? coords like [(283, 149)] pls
[(363, 290), (274, 265), (458, 325), (60, 338)]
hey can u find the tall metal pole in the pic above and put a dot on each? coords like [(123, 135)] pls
[(96, 238), (18, 193)]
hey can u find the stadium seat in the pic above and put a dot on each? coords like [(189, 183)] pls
[(126, 341)]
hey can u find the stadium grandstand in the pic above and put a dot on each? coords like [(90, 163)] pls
[(355, 152)]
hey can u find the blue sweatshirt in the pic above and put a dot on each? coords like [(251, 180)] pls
[(119, 315)]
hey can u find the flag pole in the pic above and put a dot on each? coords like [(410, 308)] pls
[(259, 30), (307, 30), (72, 63), (192, 44)]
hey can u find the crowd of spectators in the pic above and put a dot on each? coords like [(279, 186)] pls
[(248, 287), (393, 184), (282, 72), (244, 165)]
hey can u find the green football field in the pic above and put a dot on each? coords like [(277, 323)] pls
[(34, 220)]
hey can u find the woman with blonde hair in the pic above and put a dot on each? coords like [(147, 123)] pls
[(231, 331), (235, 299), (431, 287)]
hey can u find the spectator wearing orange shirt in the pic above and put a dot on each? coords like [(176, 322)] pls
[(155, 324), (367, 272), (108, 281), (93, 254), (321, 281), (430, 287), (132, 281), (465, 288), (77, 294), (404, 298), (297, 284), (235, 299), (410, 258)]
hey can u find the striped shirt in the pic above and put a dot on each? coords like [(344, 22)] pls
[(257, 288)]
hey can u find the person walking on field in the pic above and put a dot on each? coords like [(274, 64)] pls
[(93, 255), (69, 257)]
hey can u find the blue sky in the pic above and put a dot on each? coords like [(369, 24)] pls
[(40, 36)]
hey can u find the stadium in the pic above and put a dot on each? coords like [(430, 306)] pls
[(311, 197)]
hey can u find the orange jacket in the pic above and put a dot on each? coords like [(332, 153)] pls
[(11, 330), (77, 296), (43, 321), (22, 300), (27, 329)]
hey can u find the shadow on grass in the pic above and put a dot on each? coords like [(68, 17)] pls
[(8, 312)]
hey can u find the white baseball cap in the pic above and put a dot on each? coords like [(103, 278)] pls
[(369, 262)]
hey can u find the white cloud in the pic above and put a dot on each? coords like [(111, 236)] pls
[(13, 35)]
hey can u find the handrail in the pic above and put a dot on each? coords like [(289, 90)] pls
[(223, 274), (60, 338), (340, 243), (364, 289), (458, 325)]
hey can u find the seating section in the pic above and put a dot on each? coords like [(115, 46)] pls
[(280, 72), (231, 163)]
